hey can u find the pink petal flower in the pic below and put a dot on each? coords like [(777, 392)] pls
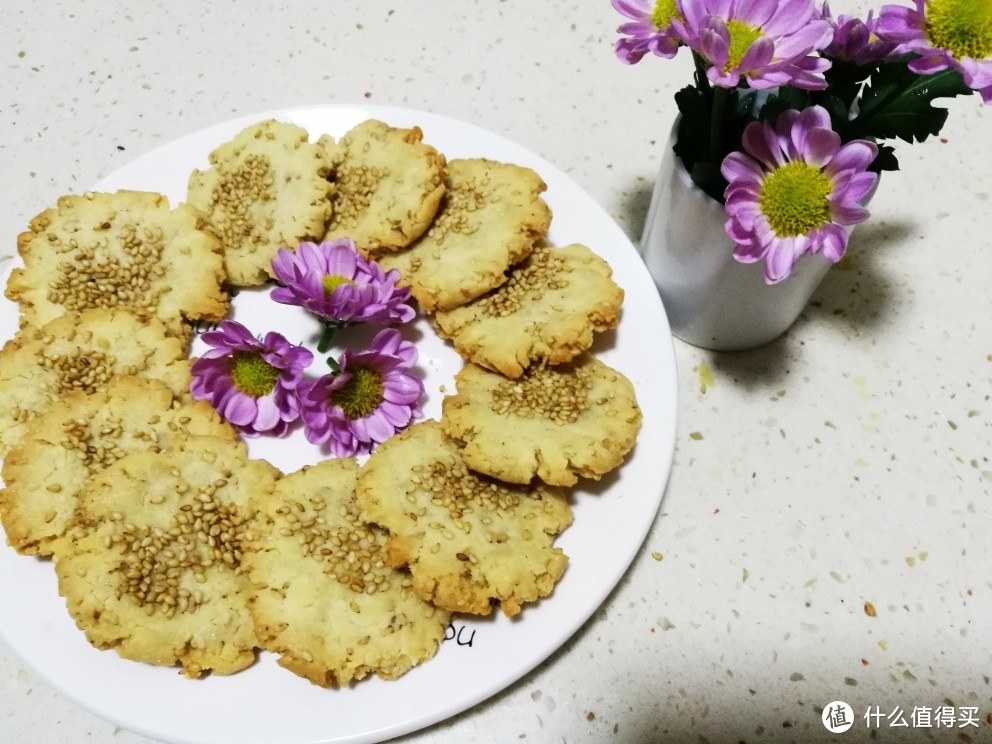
[(391, 359), (214, 379), (913, 32), (642, 34), (789, 32), (796, 137), (368, 295)]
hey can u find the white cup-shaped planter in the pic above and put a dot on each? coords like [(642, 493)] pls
[(712, 300)]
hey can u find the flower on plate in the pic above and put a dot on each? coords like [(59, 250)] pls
[(650, 29), (336, 283), (373, 396), (855, 41), (251, 383), (769, 43), (944, 33), (794, 190)]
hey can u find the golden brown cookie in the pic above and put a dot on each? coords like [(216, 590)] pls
[(80, 436), (151, 566), (489, 219), (324, 598), (82, 352), (466, 538), (265, 188), (121, 250), (387, 187), (556, 423), (546, 312)]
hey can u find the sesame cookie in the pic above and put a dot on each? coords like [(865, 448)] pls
[(151, 566), (388, 187), (82, 435), (126, 250), (324, 598), (546, 312), (266, 188), (466, 538), (489, 219), (576, 419), (82, 352)]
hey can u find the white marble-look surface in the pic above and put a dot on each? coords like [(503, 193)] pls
[(847, 463)]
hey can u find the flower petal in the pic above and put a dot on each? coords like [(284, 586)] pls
[(855, 155), (756, 12), (758, 55), (848, 214), (738, 167), (834, 242), (820, 147), (378, 428), (239, 409), (779, 260), (268, 415)]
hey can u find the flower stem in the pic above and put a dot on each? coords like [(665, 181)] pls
[(326, 337), (333, 364), (702, 82)]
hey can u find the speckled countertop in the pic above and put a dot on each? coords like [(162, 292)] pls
[(825, 531)]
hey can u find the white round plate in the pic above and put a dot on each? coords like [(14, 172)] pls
[(482, 656)]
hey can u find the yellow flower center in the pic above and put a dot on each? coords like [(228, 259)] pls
[(664, 11), (962, 27), (332, 282), (793, 199), (742, 36), (361, 395), (251, 374)]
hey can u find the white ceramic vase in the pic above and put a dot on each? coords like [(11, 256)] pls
[(712, 300)]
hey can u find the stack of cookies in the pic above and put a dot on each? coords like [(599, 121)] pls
[(170, 545)]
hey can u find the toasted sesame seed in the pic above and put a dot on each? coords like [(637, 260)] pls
[(543, 270), (559, 395)]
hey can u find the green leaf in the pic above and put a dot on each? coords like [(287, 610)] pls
[(896, 102), (885, 160)]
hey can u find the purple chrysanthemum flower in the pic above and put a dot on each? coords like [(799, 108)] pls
[(795, 190), (945, 33), (335, 282), (372, 397), (855, 41), (770, 43), (251, 383), (650, 29)]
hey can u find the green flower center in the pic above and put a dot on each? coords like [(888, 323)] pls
[(793, 198), (252, 375), (332, 282), (962, 27), (742, 36), (361, 395), (664, 11)]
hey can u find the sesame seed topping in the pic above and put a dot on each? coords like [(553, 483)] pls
[(356, 185), (204, 534), (96, 278), (543, 270), (81, 369), (459, 202), (351, 551), (452, 486), (235, 197), (545, 392)]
